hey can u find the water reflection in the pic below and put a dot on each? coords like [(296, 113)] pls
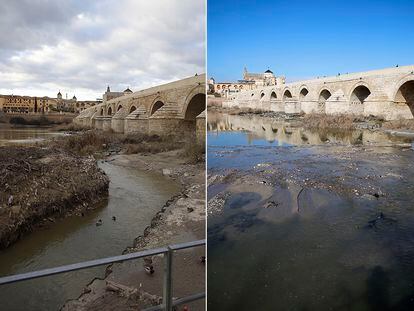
[(26, 136), (266, 131)]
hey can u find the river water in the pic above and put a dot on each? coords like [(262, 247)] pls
[(134, 198), (312, 220), (26, 135)]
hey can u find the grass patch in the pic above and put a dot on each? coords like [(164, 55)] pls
[(324, 121), (85, 143), (94, 141), (40, 121), (194, 151), (399, 125)]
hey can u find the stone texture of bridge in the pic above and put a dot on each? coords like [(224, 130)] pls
[(386, 93), (172, 108)]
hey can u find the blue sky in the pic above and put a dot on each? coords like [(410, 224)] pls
[(304, 39)]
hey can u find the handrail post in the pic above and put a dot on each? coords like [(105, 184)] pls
[(168, 292)]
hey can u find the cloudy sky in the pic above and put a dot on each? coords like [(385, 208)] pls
[(81, 46)]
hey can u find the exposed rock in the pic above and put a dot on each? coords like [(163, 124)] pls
[(166, 172)]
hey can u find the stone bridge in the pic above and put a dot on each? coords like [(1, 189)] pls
[(387, 93), (171, 108)]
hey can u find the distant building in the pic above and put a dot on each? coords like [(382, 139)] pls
[(250, 81), (108, 95), (26, 104), (73, 105), (34, 104)]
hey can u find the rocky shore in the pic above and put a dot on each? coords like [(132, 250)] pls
[(39, 184)]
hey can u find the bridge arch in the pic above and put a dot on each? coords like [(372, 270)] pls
[(273, 95), (101, 113), (303, 92), (404, 92), (196, 106), (287, 94), (157, 104), (324, 95), (132, 109), (119, 107), (194, 103), (109, 111), (359, 93), (262, 95)]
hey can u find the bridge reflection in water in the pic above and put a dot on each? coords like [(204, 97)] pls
[(278, 132)]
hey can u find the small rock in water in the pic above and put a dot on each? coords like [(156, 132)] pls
[(10, 202), (166, 171), (190, 209), (270, 204)]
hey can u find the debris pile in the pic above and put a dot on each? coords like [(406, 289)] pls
[(39, 183)]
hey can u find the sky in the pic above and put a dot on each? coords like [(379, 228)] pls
[(306, 39), (81, 46)]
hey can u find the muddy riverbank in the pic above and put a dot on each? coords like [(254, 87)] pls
[(40, 184), (181, 219)]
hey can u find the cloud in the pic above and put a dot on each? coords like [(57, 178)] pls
[(82, 46)]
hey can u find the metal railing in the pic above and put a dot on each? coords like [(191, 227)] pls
[(167, 303)]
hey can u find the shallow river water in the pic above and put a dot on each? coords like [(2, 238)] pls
[(311, 220), (26, 135), (134, 198)]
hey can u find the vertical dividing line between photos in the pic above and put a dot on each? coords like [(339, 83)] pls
[(205, 148)]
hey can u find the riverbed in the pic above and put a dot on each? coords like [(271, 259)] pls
[(134, 198), (308, 220)]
